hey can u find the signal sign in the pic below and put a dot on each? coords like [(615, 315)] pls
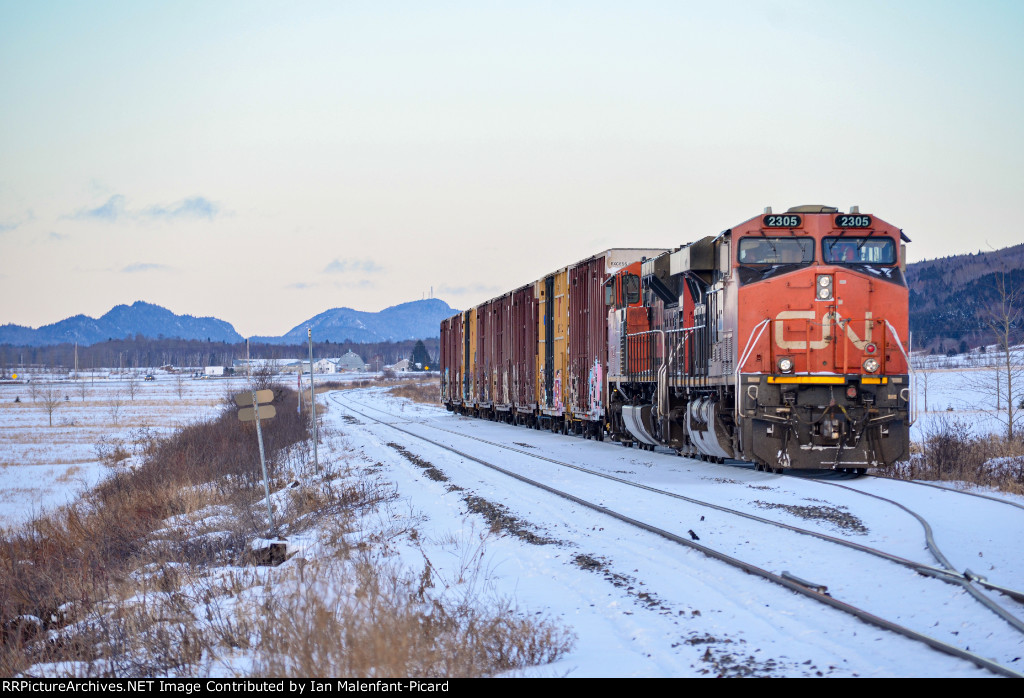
[(261, 396), (247, 414)]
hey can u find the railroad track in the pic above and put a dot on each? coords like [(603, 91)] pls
[(683, 505), (946, 572)]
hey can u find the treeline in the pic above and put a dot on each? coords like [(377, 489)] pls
[(952, 299), (141, 352)]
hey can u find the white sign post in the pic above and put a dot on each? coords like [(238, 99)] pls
[(254, 413)]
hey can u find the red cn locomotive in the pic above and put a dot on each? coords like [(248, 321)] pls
[(780, 341)]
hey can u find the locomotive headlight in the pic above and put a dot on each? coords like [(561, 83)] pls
[(785, 365), (871, 365), (824, 287)]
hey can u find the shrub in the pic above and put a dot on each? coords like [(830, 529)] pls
[(951, 451)]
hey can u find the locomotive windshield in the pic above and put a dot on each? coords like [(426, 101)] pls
[(766, 250), (858, 250)]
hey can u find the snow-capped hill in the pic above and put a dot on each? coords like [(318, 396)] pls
[(414, 320)]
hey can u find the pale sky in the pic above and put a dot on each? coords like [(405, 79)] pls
[(262, 162)]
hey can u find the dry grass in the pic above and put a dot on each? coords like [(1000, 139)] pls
[(388, 626), (80, 554), (151, 573), (951, 451), (424, 391)]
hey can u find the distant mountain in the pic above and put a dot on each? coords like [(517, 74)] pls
[(122, 321), (951, 297), (413, 320)]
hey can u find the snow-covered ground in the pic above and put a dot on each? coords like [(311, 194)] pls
[(638, 605), (644, 607), (43, 466), (961, 388)]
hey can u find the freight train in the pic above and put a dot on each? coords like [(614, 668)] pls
[(782, 341)]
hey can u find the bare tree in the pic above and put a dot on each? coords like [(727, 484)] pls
[(1002, 383), (50, 399), (133, 384), (33, 389), (265, 375), (115, 407), (83, 388), (179, 383), (1004, 321)]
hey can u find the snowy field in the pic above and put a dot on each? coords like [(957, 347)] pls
[(962, 391), (43, 466)]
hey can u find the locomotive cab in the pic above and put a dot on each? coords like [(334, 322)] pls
[(823, 381)]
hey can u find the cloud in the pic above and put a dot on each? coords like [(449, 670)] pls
[(196, 207), (300, 286), (110, 211), (144, 266), (11, 223), (57, 237), (352, 266)]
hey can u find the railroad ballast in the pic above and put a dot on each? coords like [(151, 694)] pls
[(781, 341)]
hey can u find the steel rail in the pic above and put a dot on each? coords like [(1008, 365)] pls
[(948, 489), (964, 579), (788, 583)]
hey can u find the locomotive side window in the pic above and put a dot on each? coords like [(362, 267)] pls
[(767, 250), (609, 292), (631, 288), (858, 250)]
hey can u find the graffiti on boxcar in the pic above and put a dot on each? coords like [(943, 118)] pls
[(596, 384), (557, 397)]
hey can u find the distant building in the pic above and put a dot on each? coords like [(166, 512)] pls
[(214, 371), (400, 367), (241, 366), (351, 361), (326, 366)]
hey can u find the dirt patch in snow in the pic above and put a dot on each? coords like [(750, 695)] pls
[(430, 470), (840, 517), (501, 520), (628, 584)]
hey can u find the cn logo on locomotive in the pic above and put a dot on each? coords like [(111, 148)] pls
[(826, 329)]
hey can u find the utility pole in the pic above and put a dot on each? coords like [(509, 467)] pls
[(312, 397)]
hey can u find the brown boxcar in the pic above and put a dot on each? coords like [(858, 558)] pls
[(523, 354)]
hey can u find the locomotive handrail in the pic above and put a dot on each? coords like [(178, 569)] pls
[(650, 371), (739, 365), (912, 388), (672, 358)]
